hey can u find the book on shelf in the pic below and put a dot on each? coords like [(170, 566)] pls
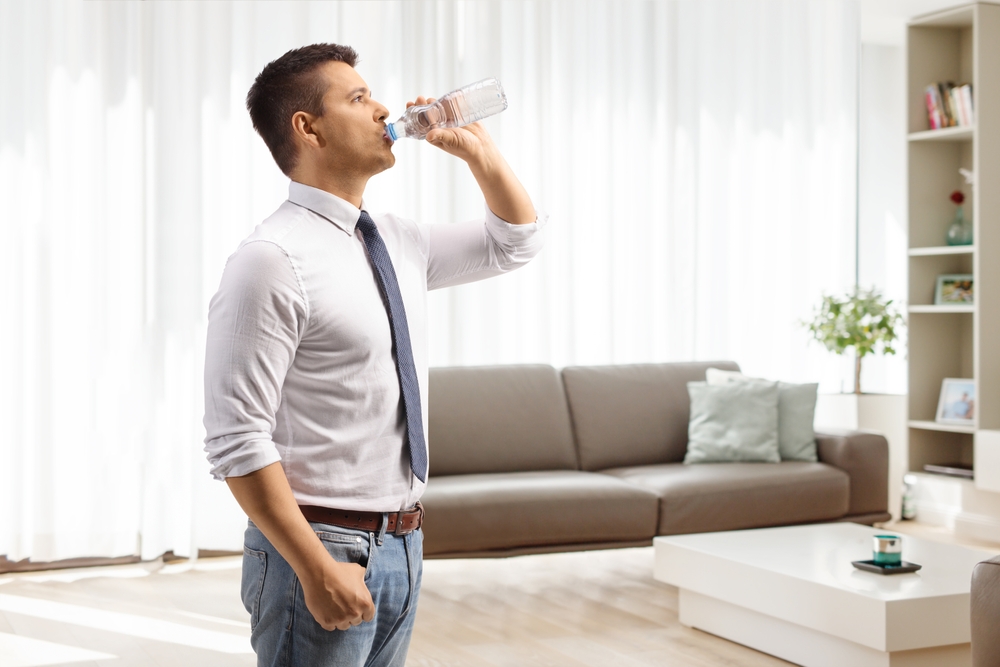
[(963, 470), (949, 105)]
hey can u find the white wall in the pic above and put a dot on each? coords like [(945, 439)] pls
[(882, 195)]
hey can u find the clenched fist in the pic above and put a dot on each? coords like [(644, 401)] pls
[(337, 597)]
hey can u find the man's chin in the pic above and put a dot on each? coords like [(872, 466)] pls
[(387, 163)]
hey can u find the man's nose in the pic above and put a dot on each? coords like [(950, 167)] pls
[(381, 113)]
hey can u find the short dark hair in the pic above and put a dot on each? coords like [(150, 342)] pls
[(285, 86)]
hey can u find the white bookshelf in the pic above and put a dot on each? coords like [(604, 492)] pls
[(954, 341)]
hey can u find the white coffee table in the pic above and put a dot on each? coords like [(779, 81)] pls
[(793, 593)]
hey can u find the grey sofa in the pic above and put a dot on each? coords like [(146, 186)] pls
[(985, 613), (529, 459)]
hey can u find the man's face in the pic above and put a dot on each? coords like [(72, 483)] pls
[(352, 125)]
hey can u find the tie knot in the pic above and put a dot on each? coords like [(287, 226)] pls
[(365, 222)]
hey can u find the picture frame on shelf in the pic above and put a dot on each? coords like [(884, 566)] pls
[(957, 402), (954, 289)]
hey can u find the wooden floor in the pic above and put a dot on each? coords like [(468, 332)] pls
[(592, 608)]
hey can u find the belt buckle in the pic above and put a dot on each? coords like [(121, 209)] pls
[(399, 531)]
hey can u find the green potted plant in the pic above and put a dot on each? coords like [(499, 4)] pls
[(861, 320)]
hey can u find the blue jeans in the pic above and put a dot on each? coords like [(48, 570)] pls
[(284, 633)]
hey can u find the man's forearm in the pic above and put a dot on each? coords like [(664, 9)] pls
[(504, 193), (335, 593), (267, 499)]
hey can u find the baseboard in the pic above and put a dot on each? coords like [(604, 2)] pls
[(27, 565), (966, 524), (957, 505)]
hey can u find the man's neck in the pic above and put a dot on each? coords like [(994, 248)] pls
[(349, 189)]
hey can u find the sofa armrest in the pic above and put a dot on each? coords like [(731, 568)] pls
[(985, 611), (865, 459)]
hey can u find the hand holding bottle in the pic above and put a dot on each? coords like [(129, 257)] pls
[(450, 124), (468, 142), (459, 107)]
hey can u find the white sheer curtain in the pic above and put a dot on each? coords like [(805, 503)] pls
[(697, 160)]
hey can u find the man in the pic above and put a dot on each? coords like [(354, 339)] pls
[(316, 365)]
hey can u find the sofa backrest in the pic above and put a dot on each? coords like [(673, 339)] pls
[(486, 419), (632, 415)]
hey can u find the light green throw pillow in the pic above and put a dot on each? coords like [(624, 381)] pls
[(733, 422), (796, 412)]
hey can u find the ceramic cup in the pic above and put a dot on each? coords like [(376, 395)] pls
[(888, 549)]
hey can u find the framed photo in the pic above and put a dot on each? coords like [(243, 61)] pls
[(957, 404), (953, 288)]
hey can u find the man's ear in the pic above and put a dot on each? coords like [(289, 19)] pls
[(305, 130)]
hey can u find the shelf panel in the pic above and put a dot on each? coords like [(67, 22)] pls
[(943, 250), (942, 309), (955, 17), (934, 426), (945, 134)]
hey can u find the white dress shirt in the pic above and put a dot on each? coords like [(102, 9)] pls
[(299, 365)]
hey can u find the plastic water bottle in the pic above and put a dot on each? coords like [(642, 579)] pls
[(459, 107)]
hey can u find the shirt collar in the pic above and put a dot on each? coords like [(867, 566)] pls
[(338, 211)]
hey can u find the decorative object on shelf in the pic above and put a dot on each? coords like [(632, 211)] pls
[(969, 176), (960, 230), (957, 403), (862, 320), (949, 105), (954, 288)]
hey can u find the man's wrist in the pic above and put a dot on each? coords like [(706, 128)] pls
[(325, 573), (487, 162), (313, 566)]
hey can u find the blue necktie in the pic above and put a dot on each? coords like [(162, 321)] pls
[(401, 342)]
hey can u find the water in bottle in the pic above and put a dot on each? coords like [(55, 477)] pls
[(459, 107)]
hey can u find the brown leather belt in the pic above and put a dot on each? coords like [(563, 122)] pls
[(399, 523)]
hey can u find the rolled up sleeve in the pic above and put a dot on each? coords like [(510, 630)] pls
[(255, 323), (468, 251)]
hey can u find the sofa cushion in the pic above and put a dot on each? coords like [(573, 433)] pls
[(796, 412), (733, 422), (632, 415), (728, 496), (498, 419), (505, 511)]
